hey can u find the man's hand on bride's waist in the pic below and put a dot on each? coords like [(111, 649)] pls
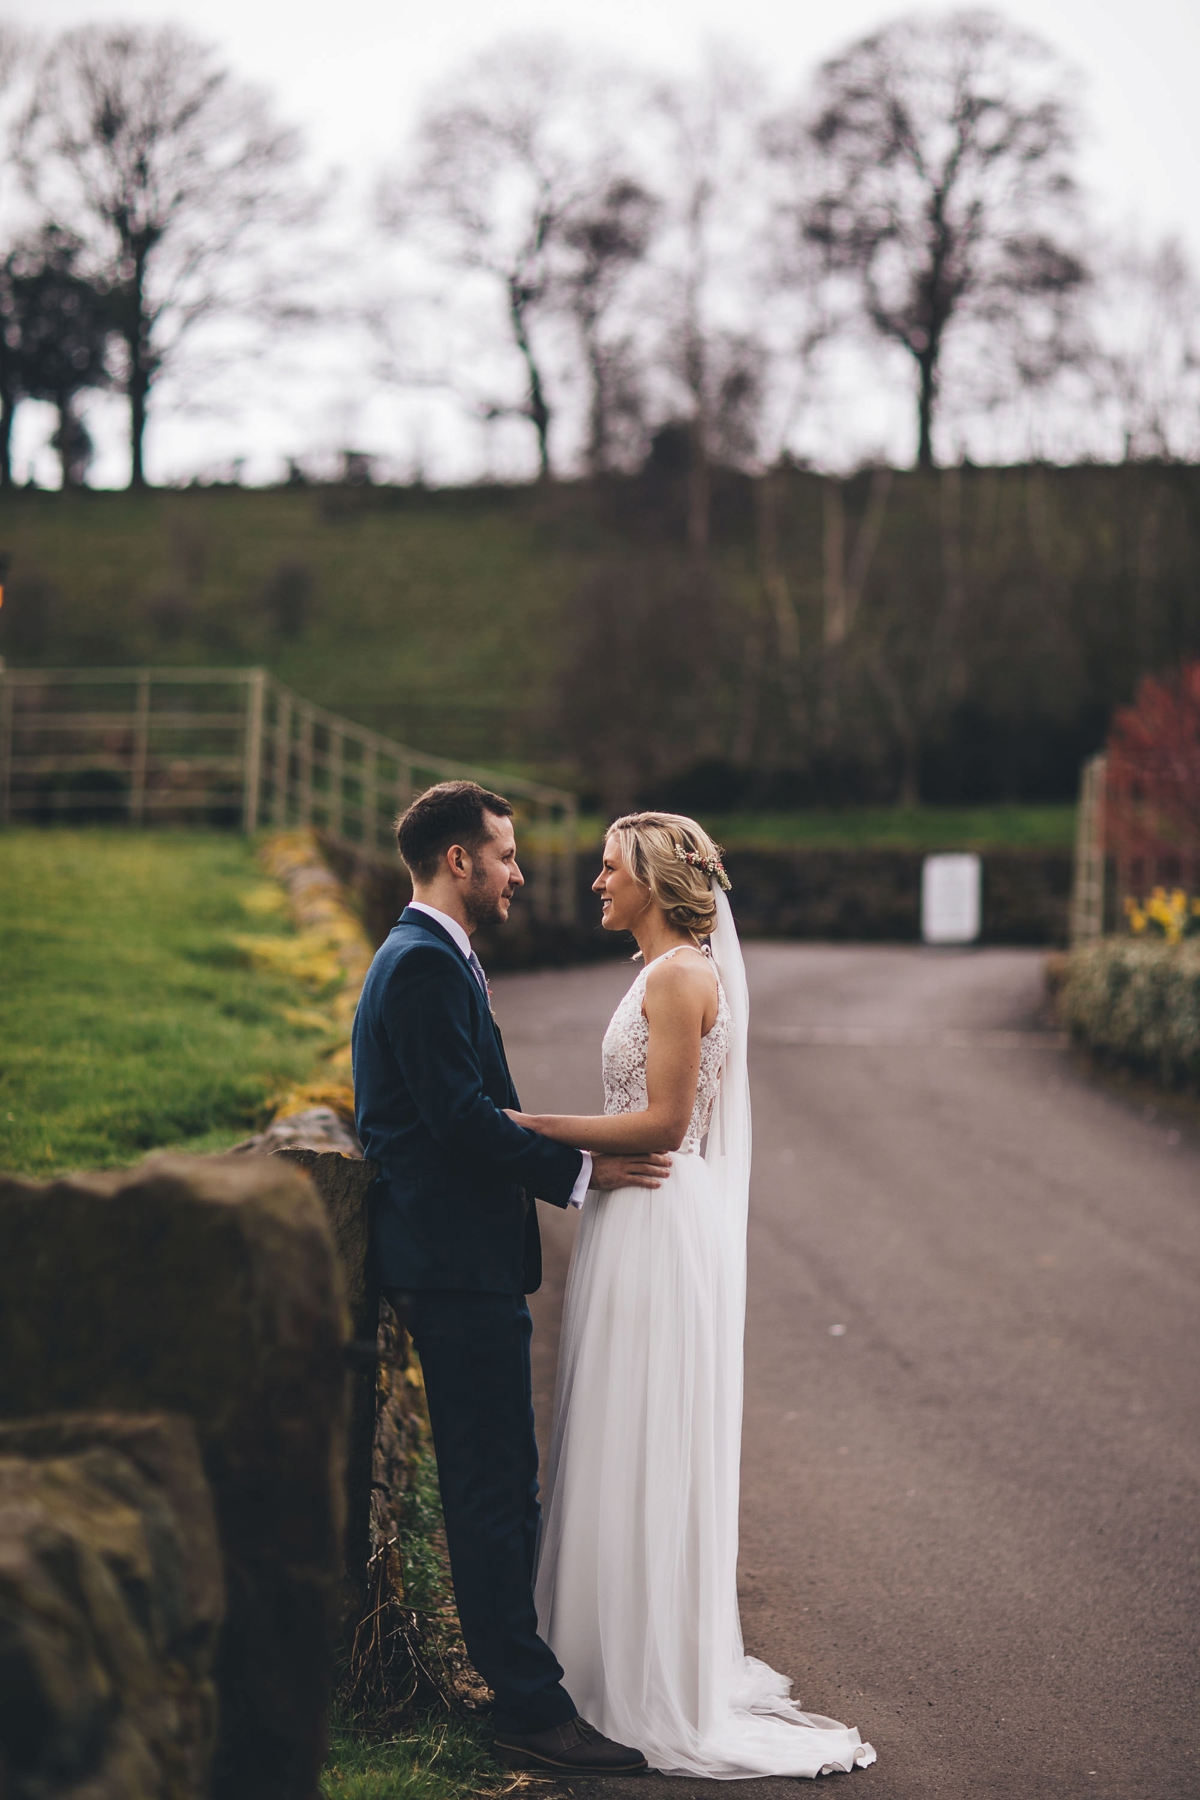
[(636, 1168)]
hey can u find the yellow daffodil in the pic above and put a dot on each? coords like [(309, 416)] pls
[(1173, 915)]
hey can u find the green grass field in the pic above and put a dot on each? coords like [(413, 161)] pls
[(129, 1021)]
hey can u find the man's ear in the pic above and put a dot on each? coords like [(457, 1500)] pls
[(458, 862)]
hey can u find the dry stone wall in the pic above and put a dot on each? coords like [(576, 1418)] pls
[(207, 1288)]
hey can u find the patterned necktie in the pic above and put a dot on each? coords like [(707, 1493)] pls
[(476, 968)]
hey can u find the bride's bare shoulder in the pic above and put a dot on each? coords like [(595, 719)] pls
[(685, 972)]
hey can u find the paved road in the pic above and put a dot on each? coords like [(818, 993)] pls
[(970, 1474)]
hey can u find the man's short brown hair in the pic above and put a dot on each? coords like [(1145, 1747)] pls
[(453, 812)]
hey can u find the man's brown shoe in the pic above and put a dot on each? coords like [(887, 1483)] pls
[(575, 1748)]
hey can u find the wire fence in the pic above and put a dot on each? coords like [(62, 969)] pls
[(236, 749)]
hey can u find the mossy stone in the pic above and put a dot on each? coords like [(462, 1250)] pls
[(105, 1669), (208, 1286)]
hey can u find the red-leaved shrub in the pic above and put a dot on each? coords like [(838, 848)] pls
[(1153, 810)]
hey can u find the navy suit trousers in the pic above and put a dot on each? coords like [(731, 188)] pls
[(474, 1351)]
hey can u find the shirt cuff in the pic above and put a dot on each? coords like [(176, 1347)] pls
[(583, 1180)]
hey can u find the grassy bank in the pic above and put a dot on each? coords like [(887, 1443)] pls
[(129, 1019), (432, 1749), (440, 1757), (924, 828)]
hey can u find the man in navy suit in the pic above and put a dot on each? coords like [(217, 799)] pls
[(456, 1238)]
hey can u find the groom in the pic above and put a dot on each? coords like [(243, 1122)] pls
[(456, 1238)]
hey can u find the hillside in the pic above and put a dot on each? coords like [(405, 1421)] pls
[(393, 611), (974, 655)]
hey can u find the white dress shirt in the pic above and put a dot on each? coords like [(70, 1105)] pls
[(463, 943)]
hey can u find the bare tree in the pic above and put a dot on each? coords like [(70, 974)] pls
[(601, 241), (513, 158), (947, 194), (1143, 356), (171, 173), (713, 348)]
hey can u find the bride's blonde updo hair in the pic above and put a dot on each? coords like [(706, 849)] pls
[(678, 861)]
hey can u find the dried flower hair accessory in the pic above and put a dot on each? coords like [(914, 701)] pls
[(712, 865)]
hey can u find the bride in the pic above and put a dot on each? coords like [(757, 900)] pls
[(636, 1586)]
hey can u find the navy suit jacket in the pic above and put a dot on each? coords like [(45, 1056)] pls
[(455, 1194)]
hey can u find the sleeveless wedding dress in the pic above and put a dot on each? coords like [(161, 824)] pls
[(637, 1574)]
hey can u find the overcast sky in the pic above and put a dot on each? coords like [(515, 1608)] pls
[(352, 74)]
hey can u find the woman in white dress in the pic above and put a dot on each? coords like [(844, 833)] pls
[(636, 1587)]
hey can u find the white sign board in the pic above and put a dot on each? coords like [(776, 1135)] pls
[(951, 892)]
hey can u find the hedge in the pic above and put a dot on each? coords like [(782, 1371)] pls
[(1137, 1004)]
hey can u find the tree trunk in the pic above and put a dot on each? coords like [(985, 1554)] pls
[(597, 453), (139, 393), (926, 405), (1150, 495), (833, 561), (777, 611), (904, 723), (8, 412), (536, 409), (955, 583), (698, 487), (910, 774), (141, 365), (72, 442)]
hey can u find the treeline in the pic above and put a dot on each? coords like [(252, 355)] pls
[(953, 635), (593, 263), (950, 635)]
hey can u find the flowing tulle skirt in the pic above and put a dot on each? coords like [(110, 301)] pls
[(637, 1573)]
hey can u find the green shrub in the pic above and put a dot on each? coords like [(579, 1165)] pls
[(1137, 1004)]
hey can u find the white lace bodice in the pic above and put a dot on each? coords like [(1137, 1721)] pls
[(627, 1041)]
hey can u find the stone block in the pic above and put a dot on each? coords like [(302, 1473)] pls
[(110, 1599), (317, 1128), (344, 1184), (208, 1286)]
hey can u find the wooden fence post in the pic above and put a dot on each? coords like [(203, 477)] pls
[(370, 791), (141, 749), (1087, 890), (568, 896), (336, 766), (253, 752), (304, 757), (6, 748), (281, 803)]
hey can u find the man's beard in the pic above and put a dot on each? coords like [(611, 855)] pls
[(481, 907)]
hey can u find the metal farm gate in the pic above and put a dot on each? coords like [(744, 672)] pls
[(235, 748), (1127, 841)]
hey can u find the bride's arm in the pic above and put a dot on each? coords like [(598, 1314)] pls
[(677, 997)]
